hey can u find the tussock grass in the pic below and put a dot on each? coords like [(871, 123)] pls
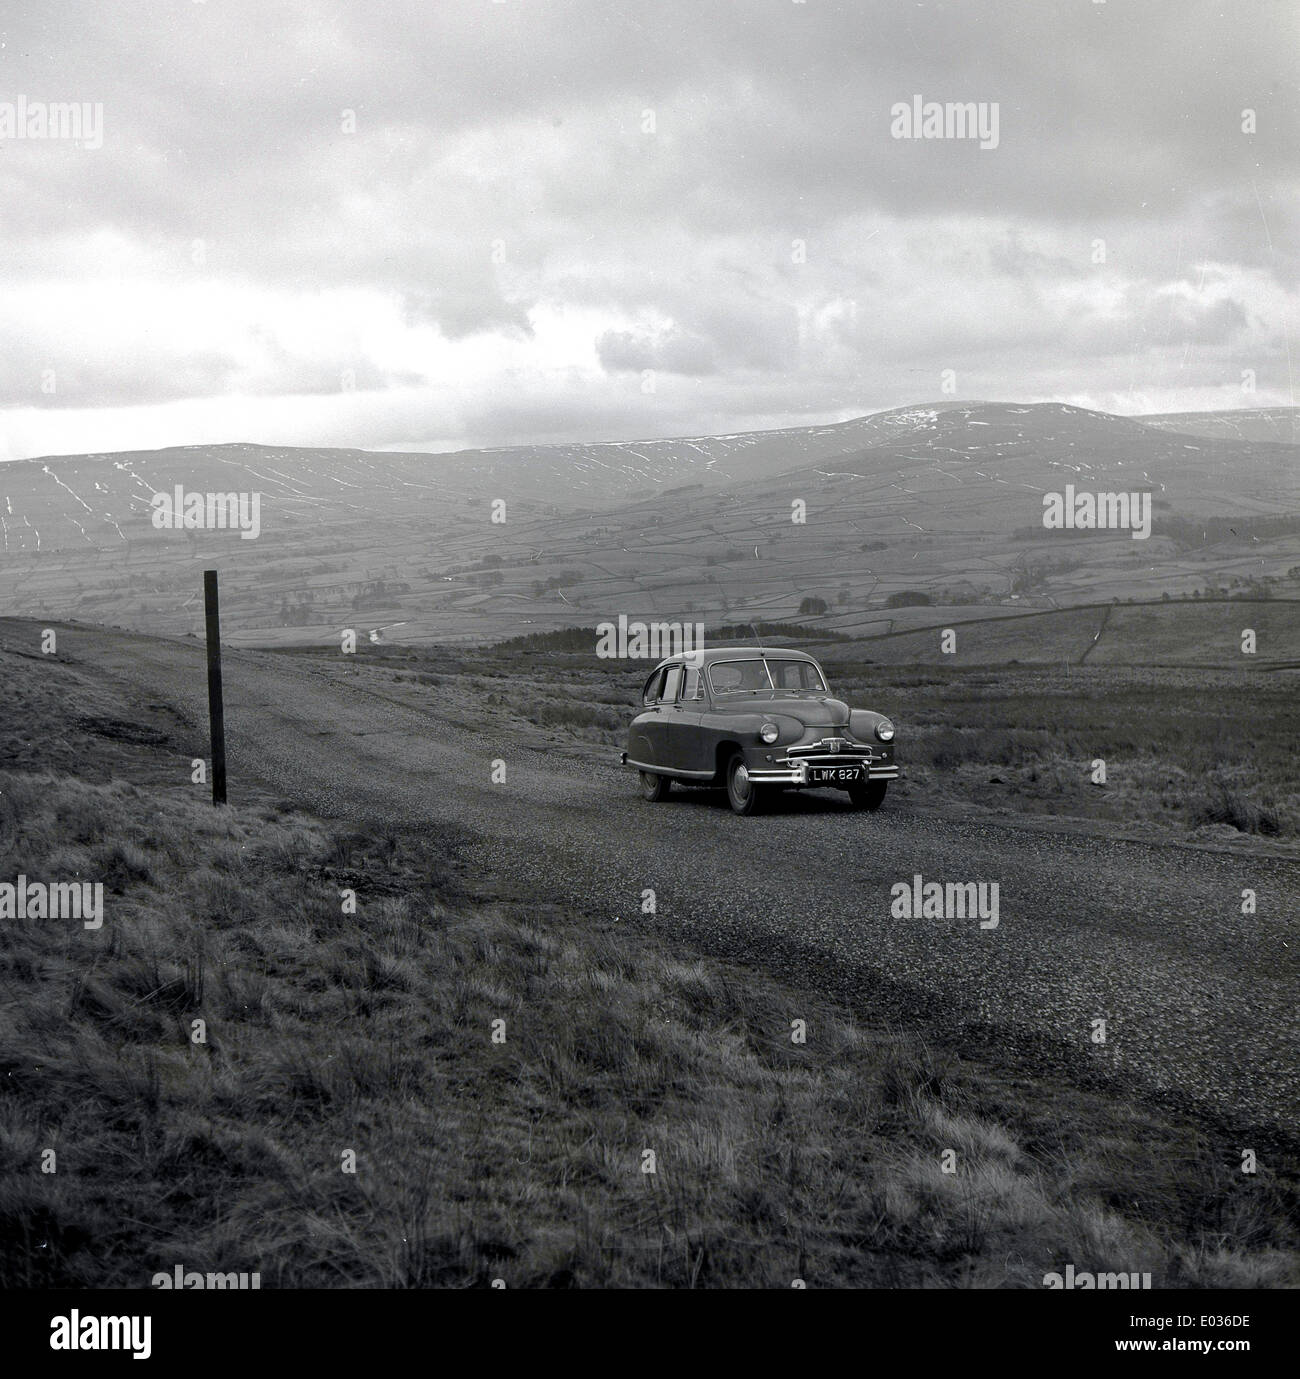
[(1219, 802), (1183, 749), (569, 713), (330, 1034)]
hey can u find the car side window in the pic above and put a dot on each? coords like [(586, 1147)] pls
[(672, 684), (653, 688), (693, 686)]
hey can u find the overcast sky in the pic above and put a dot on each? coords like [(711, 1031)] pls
[(503, 250)]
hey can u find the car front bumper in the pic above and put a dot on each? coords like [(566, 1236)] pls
[(794, 767), (800, 772)]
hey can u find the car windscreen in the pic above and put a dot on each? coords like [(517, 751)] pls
[(739, 677), (754, 675), (795, 675)]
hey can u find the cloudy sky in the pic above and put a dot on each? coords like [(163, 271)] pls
[(446, 223)]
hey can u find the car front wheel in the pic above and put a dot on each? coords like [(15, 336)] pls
[(743, 795), (870, 795), (653, 787)]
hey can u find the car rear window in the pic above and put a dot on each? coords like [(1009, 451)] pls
[(654, 688)]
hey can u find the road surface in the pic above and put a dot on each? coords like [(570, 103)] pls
[(1200, 1001)]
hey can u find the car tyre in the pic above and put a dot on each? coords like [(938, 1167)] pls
[(655, 788), (870, 795), (742, 794)]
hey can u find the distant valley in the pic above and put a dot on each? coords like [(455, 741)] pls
[(940, 503)]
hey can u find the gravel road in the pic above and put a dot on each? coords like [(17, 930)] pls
[(1200, 1001)]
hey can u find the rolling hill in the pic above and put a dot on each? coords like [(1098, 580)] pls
[(942, 502), (79, 501), (1279, 424)]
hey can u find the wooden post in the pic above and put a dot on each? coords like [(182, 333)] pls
[(216, 710)]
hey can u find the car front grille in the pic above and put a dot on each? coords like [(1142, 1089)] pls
[(829, 749)]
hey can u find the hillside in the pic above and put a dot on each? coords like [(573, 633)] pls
[(943, 502), (1278, 424), (361, 1039), (77, 501)]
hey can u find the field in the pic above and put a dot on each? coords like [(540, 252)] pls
[(1191, 634), (334, 1040)]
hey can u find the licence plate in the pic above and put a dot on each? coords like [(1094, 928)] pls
[(820, 774)]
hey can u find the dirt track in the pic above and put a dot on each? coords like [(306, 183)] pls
[(1200, 1000)]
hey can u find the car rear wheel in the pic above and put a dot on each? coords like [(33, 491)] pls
[(742, 794), (653, 787), (870, 795)]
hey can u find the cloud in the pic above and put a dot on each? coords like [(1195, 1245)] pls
[(511, 210), (666, 351)]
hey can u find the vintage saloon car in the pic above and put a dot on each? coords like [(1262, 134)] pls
[(755, 720)]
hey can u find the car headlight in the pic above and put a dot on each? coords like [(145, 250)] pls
[(885, 730), (769, 732)]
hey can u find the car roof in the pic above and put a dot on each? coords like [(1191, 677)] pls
[(709, 655)]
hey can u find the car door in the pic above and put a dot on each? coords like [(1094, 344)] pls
[(661, 722), (648, 738), (685, 747)]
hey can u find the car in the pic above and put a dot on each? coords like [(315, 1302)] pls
[(755, 720)]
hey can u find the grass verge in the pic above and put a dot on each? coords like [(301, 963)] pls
[(348, 1118)]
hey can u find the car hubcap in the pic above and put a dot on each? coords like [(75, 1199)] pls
[(740, 781)]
